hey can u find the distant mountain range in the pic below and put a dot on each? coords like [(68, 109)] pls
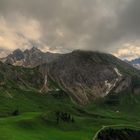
[(136, 63), (73, 96), (83, 75), (87, 75)]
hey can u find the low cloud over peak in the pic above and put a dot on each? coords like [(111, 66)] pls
[(65, 25)]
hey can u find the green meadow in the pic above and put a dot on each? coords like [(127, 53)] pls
[(36, 117)]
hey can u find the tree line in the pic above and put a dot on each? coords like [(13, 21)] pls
[(63, 116)]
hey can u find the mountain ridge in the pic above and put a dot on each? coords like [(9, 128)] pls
[(135, 63), (88, 75), (29, 57), (84, 75)]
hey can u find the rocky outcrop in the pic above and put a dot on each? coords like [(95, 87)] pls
[(45, 85), (19, 77), (29, 58), (86, 76), (123, 84)]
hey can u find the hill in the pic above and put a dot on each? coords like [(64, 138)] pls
[(87, 75), (28, 112)]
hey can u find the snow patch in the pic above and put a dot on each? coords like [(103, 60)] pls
[(45, 83), (117, 71), (109, 86), (57, 89), (46, 80)]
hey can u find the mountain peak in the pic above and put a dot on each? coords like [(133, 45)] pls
[(17, 51), (135, 63), (18, 54), (87, 75), (29, 58), (35, 49)]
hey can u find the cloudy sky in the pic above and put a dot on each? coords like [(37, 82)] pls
[(64, 25)]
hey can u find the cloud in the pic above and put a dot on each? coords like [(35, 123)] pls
[(64, 25), (19, 35), (128, 51)]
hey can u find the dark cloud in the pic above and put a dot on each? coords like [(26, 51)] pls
[(78, 24)]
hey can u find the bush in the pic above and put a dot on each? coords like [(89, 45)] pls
[(15, 112)]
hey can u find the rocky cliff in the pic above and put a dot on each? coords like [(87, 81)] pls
[(86, 75), (29, 58)]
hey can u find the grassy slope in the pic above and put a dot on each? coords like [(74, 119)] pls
[(34, 107)]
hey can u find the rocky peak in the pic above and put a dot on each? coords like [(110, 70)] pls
[(17, 51), (87, 75), (18, 54), (29, 58), (35, 50)]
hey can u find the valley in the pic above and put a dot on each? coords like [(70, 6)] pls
[(69, 69), (74, 101), (37, 121)]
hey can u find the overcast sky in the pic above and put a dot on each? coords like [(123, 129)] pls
[(111, 26)]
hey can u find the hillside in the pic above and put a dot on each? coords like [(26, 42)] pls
[(15, 77), (37, 115), (84, 75), (87, 75), (29, 58), (28, 112)]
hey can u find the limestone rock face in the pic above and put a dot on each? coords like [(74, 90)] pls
[(86, 76), (29, 58)]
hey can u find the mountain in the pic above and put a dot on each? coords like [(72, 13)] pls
[(19, 77), (135, 63), (87, 75), (83, 75), (29, 58), (35, 103)]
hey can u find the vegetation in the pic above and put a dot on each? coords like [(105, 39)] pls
[(30, 115), (25, 113)]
